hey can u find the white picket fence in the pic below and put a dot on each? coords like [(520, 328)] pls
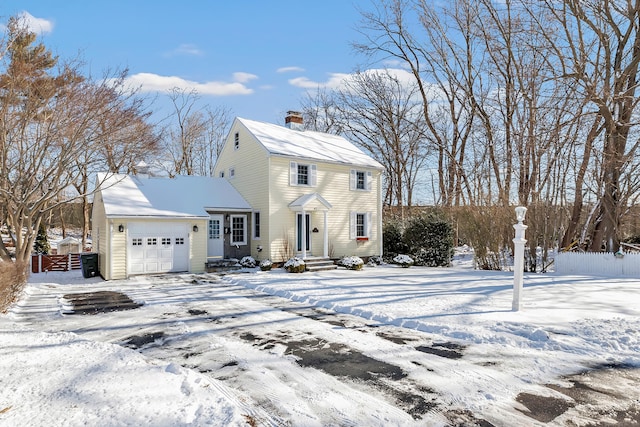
[(598, 263)]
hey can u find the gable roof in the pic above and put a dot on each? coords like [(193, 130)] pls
[(279, 140), (183, 196)]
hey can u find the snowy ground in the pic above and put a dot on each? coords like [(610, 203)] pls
[(384, 346)]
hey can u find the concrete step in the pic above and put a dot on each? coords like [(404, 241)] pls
[(222, 265), (319, 264)]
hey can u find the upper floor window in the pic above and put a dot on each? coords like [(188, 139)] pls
[(360, 180), (236, 141), (303, 174), (221, 174)]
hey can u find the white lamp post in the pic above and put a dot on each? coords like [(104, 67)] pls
[(518, 257)]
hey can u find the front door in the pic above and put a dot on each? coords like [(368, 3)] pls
[(215, 241), (303, 233)]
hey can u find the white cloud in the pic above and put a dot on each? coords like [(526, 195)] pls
[(289, 69), (37, 25), (185, 49), (241, 77), (335, 81), (149, 82), (338, 80)]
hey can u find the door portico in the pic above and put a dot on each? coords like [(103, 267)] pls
[(304, 206)]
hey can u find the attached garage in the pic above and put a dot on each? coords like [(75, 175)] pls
[(143, 225), (157, 247)]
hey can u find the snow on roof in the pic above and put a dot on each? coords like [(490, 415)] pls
[(183, 196), (308, 144)]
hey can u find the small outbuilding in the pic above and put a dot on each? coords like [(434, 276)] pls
[(69, 245)]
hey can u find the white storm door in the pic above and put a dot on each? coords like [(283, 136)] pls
[(215, 238)]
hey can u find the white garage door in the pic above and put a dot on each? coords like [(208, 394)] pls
[(157, 247)]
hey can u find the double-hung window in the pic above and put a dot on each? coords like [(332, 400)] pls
[(238, 230), (360, 225), (360, 180), (303, 174)]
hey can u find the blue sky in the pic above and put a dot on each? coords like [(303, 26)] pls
[(256, 57)]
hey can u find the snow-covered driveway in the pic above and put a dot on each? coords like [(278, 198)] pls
[(384, 346)]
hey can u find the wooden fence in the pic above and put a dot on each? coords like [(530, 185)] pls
[(44, 263), (598, 263)]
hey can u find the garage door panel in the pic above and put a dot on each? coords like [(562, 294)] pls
[(158, 247)]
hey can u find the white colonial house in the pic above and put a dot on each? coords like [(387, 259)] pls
[(312, 194), (279, 191)]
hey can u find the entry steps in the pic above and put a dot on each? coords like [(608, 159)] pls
[(319, 264)]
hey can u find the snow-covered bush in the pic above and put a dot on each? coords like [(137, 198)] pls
[(351, 262), (403, 260), (375, 261), (248, 262), (294, 265), (265, 265)]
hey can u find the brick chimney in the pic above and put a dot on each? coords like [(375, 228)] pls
[(294, 121)]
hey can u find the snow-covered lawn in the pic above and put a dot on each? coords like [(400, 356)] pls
[(236, 350)]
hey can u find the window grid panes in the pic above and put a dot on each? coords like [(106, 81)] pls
[(136, 242), (152, 241), (214, 229), (179, 240), (360, 180), (237, 229), (360, 225), (303, 174)]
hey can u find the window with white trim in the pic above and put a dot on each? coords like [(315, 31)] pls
[(179, 240), (360, 225), (136, 241), (360, 180), (303, 174), (152, 241), (256, 225), (238, 230), (165, 241)]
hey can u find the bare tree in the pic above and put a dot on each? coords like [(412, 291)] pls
[(49, 118), (600, 51), (381, 113), (321, 112), (119, 137), (194, 136)]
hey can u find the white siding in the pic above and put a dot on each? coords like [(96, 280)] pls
[(251, 164), (333, 183), (265, 182)]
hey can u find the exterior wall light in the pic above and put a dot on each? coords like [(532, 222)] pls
[(121, 228), (195, 228)]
